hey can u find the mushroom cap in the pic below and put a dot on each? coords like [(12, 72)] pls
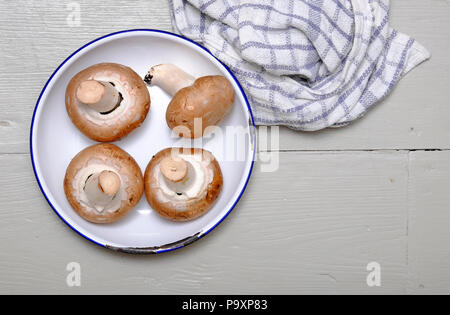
[(182, 210), (120, 122), (114, 159), (209, 98)]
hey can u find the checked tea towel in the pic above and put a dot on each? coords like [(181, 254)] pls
[(306, 64)]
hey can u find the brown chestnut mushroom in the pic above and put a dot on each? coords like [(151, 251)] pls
[(182, 184), (205, 101), (103, 183), (107, 101)]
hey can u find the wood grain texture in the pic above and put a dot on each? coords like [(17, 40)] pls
[(429, 222), (314, 235), (310, 227)]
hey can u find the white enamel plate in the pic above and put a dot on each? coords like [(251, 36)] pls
[(55, 140)]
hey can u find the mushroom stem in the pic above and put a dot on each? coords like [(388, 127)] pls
[(174, 170), (108, 183), (101, 188), (103, 97), (169, 77)]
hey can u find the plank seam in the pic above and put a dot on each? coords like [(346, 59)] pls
[(305, 151)]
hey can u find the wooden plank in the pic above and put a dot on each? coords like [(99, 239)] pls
[(429, 221), (411, 117), (35, 38), (38, 33), (415, 115), (311, 227)]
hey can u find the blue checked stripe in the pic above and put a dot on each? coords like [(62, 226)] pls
[(306, 64)]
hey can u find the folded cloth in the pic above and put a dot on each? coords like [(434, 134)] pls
[(306, 64)]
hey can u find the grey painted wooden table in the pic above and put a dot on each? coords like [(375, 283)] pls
[(376, 191)]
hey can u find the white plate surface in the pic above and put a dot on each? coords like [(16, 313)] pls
[(55, 140)]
